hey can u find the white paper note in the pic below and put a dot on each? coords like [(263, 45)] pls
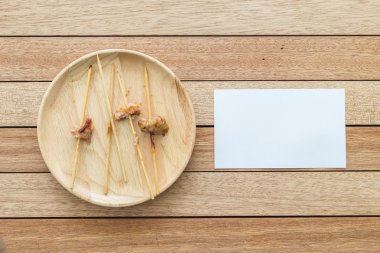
[(280, 128)]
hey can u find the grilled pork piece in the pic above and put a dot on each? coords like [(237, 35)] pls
[(132, 109), (84, 132), (156, 126)]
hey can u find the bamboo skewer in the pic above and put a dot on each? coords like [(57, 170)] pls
[(147, 92), (77, 149), (152, 144), (111, 119), (109, 129), (137, 144)]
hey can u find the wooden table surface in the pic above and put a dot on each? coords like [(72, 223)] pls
[(208, 44)]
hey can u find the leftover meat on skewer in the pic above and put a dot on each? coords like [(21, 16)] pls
[(84, 132), (156, 125), (129, 110), (132, 109)]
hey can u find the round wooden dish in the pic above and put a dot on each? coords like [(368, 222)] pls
[(61, 110)]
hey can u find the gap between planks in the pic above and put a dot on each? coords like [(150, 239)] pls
[(189, 36)]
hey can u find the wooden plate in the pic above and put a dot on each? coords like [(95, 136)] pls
[(62, 107)]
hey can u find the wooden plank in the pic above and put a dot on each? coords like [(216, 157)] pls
[(19, 151), (191, 18), (21, 100), (205, 58), (207, 194), (191, 235)]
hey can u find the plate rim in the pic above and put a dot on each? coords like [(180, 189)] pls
[(87, 56)]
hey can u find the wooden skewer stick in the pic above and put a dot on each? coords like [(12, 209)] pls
[(109, 129), (74, 169), (137, 144), (111, 119), (152, 144), (147, 92)]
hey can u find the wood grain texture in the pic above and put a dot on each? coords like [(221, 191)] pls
[(205, 58), (19, 151), (200, 191), (21, 100), (171, 17), (191, 235), (207, 194)]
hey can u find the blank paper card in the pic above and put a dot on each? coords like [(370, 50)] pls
[(280, 128)]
